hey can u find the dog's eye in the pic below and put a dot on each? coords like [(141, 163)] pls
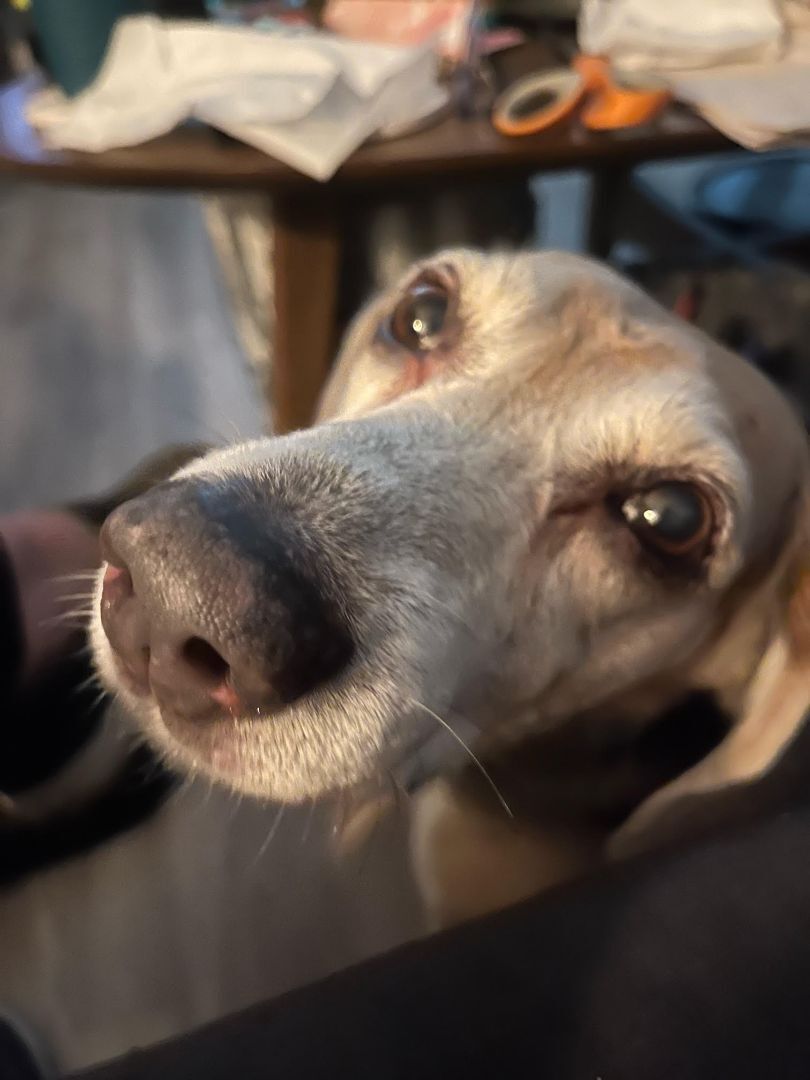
[(420, 317), (673, 519)]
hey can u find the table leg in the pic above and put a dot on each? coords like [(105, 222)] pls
[(607, 184), (306, 262)]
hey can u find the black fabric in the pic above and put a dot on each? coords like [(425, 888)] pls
[(43, 725), (11, 643), (132, 795), (17, 1059), (694, 965)]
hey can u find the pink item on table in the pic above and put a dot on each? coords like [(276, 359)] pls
[(403, 22)]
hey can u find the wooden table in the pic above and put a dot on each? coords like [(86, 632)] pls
[(307, 214)]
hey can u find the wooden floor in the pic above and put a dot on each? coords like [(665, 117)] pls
[(115, 338)]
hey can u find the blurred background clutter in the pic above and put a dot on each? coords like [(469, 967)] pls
[(195, 197)]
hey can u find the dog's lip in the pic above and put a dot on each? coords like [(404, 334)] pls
[(216, 740), (198, 707), (191, 730), (217, 747), (212, 744), (129, 678)]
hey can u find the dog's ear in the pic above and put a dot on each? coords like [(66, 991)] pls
[(775, 705)]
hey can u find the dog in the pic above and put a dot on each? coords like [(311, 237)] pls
[(539, 519)]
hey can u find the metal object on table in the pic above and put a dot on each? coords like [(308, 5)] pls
[(401, 128)]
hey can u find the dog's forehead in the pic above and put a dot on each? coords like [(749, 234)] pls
[(623, 377), (771, 439), (585, 356), (571, 358), (579, 322)]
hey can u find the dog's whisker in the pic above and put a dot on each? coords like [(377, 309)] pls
[(308, 822), (85, 684), (71, 619), (336, 809), (470, 753), (83, 610), (271, 835), (97, 700), (399, 789), (83, 650), (66, 597), (235, 431), (402, 797), (237, 798), (79, 620), (86, 609), (183, 787), (79, 575)]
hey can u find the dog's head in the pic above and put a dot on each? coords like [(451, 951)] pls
[(531, 493)]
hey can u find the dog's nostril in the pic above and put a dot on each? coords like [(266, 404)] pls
[(204, 659), (116, 575), (116, 585)]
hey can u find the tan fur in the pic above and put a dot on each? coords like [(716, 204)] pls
[(777, 698), (469, 861), (462, 502)]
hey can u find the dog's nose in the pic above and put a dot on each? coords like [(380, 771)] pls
[(212, 603)]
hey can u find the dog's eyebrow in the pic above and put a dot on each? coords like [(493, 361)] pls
[(586, 314)]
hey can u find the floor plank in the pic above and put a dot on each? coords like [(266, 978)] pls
[(115, 338)]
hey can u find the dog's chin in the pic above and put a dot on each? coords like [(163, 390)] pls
[(220, 750), (322, 743), (251, 756)]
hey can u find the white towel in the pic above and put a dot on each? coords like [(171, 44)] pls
[(742, 64), (642, 35), (308, 98), (758, 105)]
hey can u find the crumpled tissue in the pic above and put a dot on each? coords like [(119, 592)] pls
[(744, 65), (653, 35), (306, 97)]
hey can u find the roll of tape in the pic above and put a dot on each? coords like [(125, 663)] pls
[(618, 101), (537, 101)]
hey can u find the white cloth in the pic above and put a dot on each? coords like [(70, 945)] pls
[(641, 35), (308, 98), (742, 64), (758, 105)]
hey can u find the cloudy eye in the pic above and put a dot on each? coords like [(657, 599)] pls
[(420, 318), (673, 519)]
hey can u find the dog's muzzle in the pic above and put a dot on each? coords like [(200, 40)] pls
[(213, 603)]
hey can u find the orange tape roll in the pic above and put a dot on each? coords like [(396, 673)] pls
[(537, 101)]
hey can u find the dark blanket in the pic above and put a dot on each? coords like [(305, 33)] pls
[(689, 964)]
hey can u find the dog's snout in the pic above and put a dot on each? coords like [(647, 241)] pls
[(210, 604)]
